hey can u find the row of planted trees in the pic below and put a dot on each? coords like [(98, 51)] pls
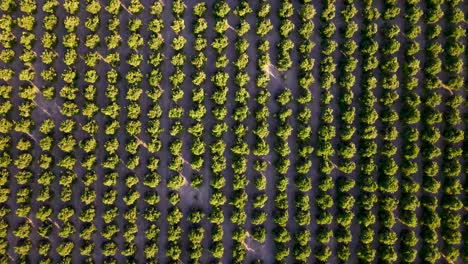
[(65, 132)]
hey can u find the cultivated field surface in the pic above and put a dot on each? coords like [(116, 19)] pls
[(235, 131)]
